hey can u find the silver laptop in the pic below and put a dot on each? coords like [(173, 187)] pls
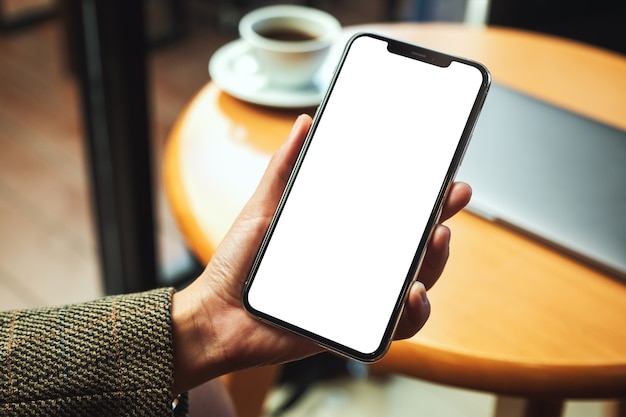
[(552, 174)]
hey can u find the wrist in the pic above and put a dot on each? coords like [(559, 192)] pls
[(196, 344)]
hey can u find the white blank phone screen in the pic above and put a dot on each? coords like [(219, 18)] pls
[(342, 248)]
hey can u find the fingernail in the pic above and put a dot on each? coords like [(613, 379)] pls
[(445, 230), (423, 294), (296, 125)]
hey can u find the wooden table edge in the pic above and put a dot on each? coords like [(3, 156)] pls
[(504, 377), (176, 194)]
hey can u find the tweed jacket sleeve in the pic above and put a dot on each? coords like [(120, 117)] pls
[(110, 357)]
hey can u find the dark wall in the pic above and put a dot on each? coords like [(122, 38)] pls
[(598, 22)]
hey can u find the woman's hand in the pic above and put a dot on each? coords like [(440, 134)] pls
[(213, 335)]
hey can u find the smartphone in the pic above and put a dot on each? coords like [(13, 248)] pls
[(351, 229)]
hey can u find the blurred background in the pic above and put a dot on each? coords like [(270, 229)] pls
[(51, 247)]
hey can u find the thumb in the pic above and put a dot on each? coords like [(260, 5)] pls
[(270, 189)]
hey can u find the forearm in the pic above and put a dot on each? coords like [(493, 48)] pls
[(107, 357)]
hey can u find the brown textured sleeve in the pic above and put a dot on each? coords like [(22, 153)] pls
[(110, 357)]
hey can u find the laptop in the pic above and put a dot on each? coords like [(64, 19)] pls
[(552, 174)]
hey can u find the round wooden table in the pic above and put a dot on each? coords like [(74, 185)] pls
[(510, 316)]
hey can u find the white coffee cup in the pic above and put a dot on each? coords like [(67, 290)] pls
[(289, 42)]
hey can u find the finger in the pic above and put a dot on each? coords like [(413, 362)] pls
[(458, 197), (416, 312), (436, 256)]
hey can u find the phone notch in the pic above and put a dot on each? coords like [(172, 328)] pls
[(421, 54)]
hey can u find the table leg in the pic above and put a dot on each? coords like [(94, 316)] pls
[(528, 407), (536, 407), (249, 389)]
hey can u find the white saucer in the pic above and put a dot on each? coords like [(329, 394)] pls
[(234, 69)]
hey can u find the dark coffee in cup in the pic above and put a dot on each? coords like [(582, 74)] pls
[(286, 35)]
